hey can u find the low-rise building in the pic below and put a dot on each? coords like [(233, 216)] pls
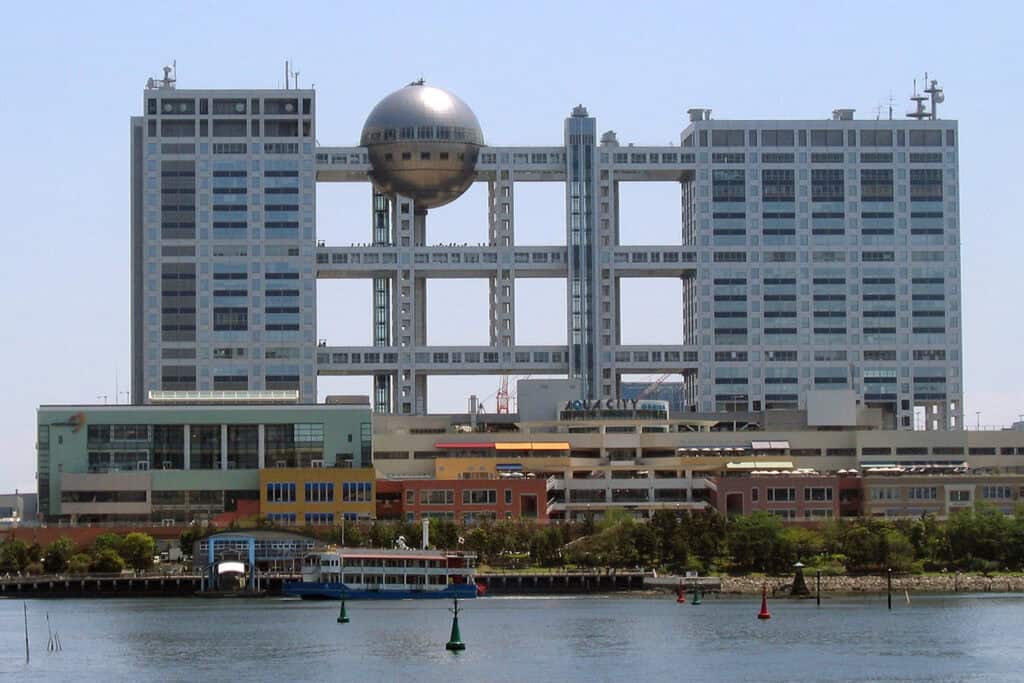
[(792, 494), (18, 509), (316, 496), (917, 491), (189, 458)]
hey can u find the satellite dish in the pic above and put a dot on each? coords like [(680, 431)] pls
[(239, 107)]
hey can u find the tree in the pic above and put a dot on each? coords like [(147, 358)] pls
[(665, 527), (57, 554), (137, 550), (108, 562), (14, 556), (801, 544), (108, 541), (704, 533), (79, 564), (444, 533), (755, 542), (546, 546)]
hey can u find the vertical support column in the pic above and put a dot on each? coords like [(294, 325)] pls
[(223, 447), (261, 446), (501, 234), (186, 448), (409, 309), (607, 287), (382, 236), (582, 299)]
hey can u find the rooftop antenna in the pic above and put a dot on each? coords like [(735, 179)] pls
[(892, 101), (296, 74), (286, 75), (936, 94), (919, 110)]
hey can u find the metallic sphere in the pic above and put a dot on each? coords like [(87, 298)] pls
[(423, 143)]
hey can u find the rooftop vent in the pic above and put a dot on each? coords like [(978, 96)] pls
[(699, 114), (842, 114)]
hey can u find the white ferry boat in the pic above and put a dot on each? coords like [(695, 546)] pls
[(377, 574)]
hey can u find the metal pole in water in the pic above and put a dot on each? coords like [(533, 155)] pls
[(889, 577), (818, 581), (25, 607)]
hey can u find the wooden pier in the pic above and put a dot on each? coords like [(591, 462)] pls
[(522, 583), (117, 585)]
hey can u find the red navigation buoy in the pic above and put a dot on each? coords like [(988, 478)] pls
[(681, 597), (764, 613)]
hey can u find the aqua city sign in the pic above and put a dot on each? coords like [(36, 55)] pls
[(598, 405)]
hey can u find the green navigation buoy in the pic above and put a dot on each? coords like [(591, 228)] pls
[(696, 597), (455, 643), (343, 615)]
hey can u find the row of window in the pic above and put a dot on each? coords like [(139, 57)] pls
[(320, 492), (931, 493), (722, 137), (788, 494), (447, 497)]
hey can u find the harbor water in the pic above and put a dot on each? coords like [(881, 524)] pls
[(597, 638)]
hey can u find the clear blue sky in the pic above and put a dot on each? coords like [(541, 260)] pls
[(73, 74)]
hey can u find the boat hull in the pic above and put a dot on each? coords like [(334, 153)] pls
[(337, 591)]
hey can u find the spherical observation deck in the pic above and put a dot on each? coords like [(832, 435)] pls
[(423, 143)]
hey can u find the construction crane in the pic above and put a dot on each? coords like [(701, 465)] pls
[(652, 387), (501, 398)]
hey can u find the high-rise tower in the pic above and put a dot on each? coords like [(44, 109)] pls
[(223, 241)]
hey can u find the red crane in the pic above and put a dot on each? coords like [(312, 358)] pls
[(501, 398)]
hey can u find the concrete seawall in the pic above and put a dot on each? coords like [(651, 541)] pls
[(932, 583)]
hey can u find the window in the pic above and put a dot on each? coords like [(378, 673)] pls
[(437, 497), (826, 138), (728, 185), (827, 185), (231, 319), (777, 138), (319, 518), (319, 492), (779, 495), (279, 492), (358, 492), (778, 185), (817, 493), (508, 496), (959, 496), (923, 492), (876, 138), (996, 492), (876, 185), (281, 517), (754, 494), (884, 493), (480, 496)]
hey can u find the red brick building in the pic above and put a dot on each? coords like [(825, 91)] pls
[(794, 496), (464, 501)]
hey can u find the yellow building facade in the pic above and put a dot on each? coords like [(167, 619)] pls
[(317, 496)]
